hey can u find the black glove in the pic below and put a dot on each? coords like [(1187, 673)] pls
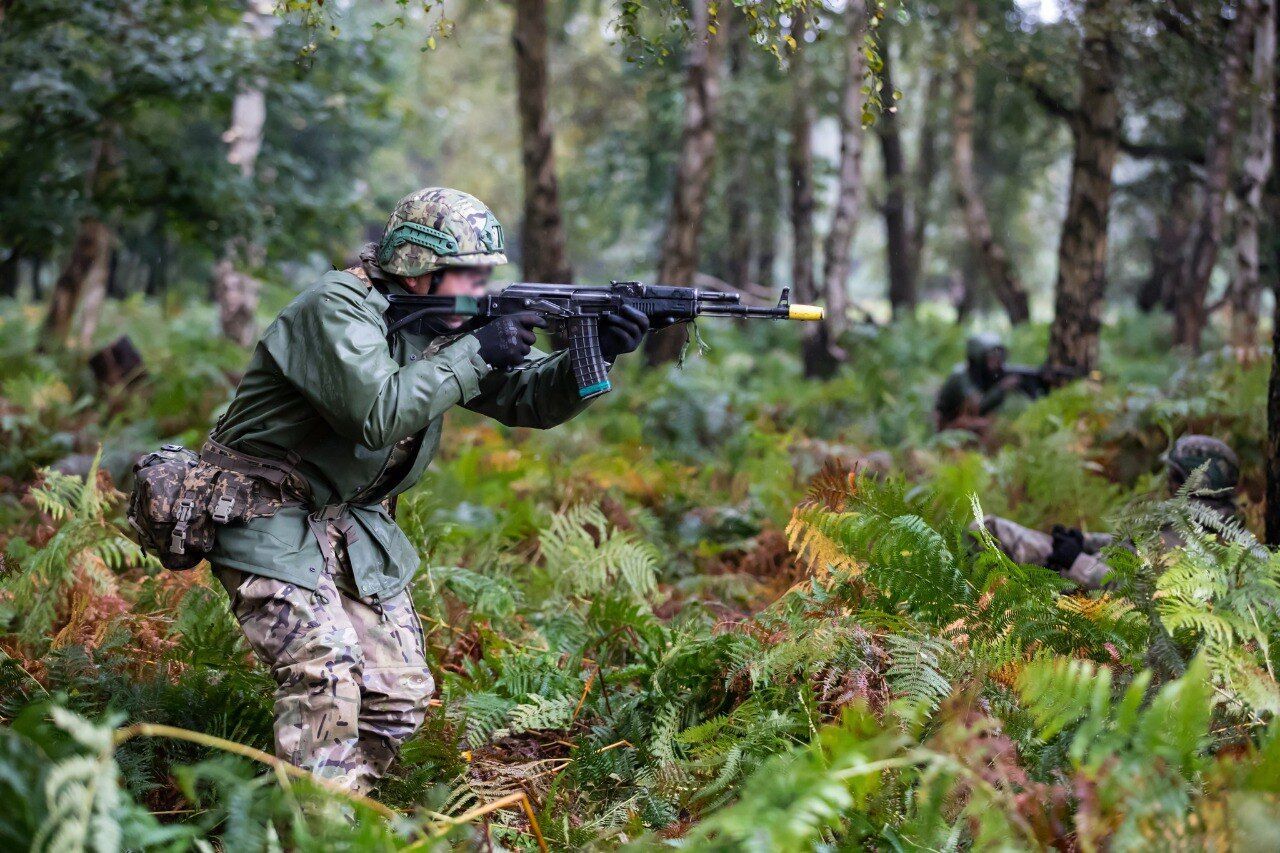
[(506, 341), (1068, 543), (621, 333)]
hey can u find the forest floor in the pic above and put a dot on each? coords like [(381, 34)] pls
[(724, 608)]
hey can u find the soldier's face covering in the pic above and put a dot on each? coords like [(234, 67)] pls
[(453, 281)]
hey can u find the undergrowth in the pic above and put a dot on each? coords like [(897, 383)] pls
[(722, 610)]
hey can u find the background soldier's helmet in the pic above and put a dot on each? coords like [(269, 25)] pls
[(438, 227), (1191, 452), (977, 347)]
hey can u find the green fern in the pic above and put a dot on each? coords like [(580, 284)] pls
[(86, 542), (585, 555)]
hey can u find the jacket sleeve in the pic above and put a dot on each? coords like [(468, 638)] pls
[(333, 348), (541, 393), (1089, 571)]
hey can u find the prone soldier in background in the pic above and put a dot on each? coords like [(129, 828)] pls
[(1075, 555), (978, 387)]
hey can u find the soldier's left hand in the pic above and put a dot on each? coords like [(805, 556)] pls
[(621, 333)]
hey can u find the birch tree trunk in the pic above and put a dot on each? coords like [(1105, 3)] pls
[(679, 258), (815, 352), (1190, 316), (992, 257), (1082, 250), (902, 284), (234, 289), (838, 250), (542, 240), (1246, 289)]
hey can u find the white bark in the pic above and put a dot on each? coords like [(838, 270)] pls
[(849, 193), (234, 289), (1246, 288)]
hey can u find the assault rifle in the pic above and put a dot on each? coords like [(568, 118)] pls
[(1038, 381), (576, 311)]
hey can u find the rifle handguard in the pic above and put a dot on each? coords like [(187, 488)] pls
[(589, 368)]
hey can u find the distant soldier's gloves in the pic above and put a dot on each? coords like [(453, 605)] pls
[(506, 341), (1068, 543), (621, 333)]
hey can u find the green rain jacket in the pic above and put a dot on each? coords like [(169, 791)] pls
[(325, 384)]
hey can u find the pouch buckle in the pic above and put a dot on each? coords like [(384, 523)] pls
[(330, 512), (221, 512)]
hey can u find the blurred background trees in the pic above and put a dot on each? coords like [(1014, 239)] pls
[(1057, 159)]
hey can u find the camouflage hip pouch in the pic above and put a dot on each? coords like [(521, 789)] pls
[(179, 499)]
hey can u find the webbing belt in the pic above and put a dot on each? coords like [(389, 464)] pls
[(283, 475)]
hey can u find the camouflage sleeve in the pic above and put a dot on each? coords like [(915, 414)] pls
[(331, 346), (1095, 542), (1020, 544), (541, 393)]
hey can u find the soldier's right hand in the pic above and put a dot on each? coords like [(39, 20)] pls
[(506, 341)]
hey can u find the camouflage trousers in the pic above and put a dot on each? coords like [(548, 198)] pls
[(351, 673)]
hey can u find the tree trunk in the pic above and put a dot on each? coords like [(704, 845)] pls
[(838, 251), (1161, 287), (814, 343), (926, 171), (679, 258), (742, 143), (1273, 386), (9, 274), (1190, 318), (542, 238), (766, 231), (902, 283), (1273, 420), (37, 276), (82, 278), (1246, 290), (1082, 249), (234, 289), (990, 254)]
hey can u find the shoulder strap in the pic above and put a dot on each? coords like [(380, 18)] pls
[(359, 273)]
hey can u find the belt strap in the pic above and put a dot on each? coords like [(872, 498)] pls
[(318, 523), (282, 474)]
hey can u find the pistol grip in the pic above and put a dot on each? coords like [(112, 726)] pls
[(589, 368)]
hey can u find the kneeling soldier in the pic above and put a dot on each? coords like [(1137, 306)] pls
[(345, 419)]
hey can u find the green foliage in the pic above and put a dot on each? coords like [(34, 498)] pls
[(619, 630), (87, 545)]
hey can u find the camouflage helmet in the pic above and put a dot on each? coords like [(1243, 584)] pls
[(1191, 452), (438, 227), (979, 345)]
